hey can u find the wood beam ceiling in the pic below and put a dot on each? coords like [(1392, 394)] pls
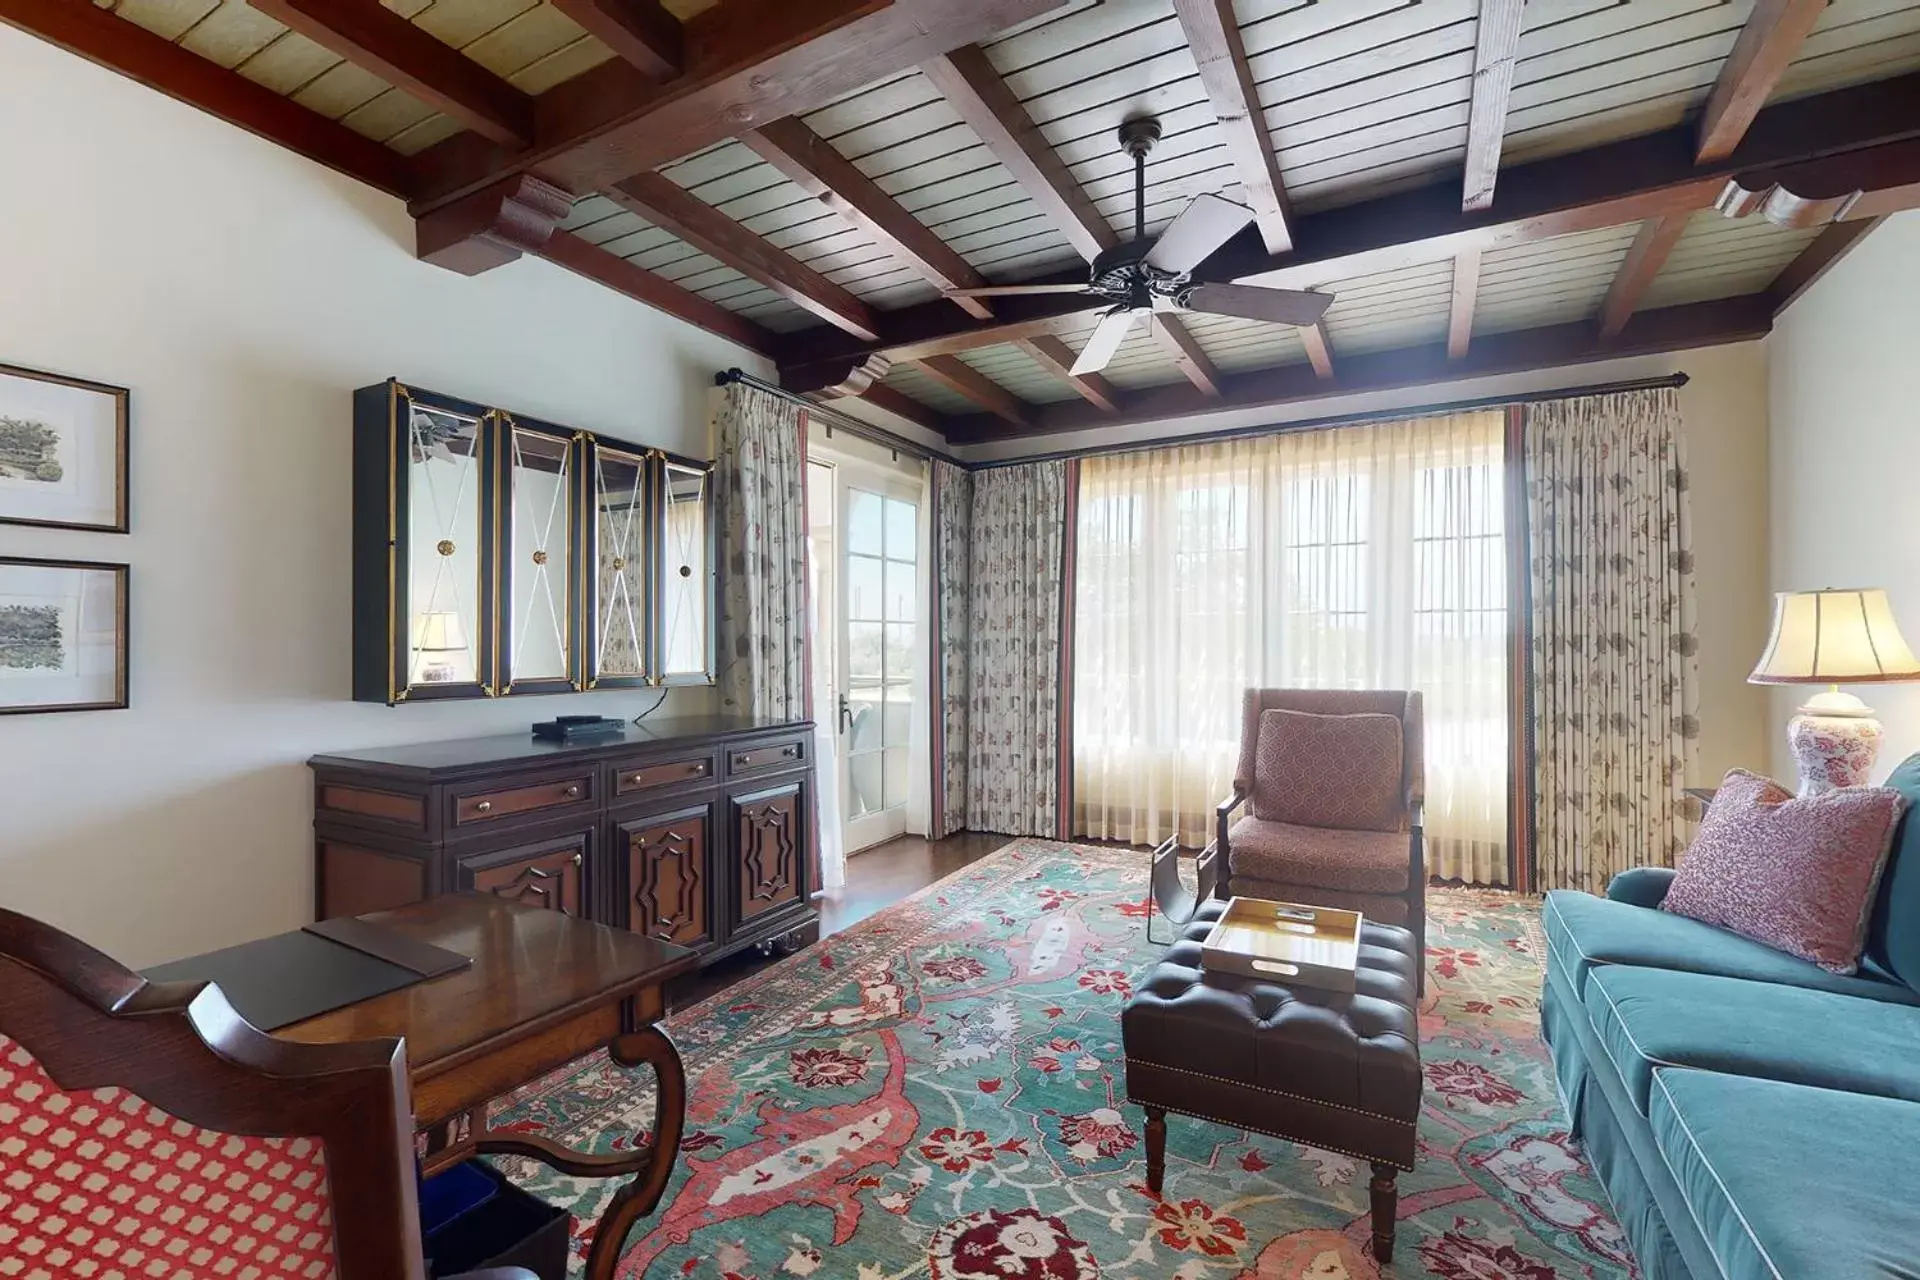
[(1466, 294), (1648, 253), (118, 45), (746, 63), (1319, 348), (1771, 37), (1818, 258), (671, 207), (376, 39), (962, 378), (812, 164), (1213, 35), (642, 32), (1667, 329), (1496, 48), (585, 258), (1057, 358), (1844, 140)]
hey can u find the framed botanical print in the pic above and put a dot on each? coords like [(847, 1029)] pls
[(63, 451), (63, 635)]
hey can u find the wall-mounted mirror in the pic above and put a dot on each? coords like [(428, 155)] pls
[(685, 654), (621, 539), (444, 486), (539, 573)]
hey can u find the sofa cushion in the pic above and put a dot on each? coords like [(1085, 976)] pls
[(1785, 1181), (1893, 938), (1647, 1019), (1796, 872), (1329, 771), (1322, 857), (1584, 931)]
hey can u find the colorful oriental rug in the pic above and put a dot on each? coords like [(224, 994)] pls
[(939, 1092)]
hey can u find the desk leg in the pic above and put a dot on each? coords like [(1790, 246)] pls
[(651, 1167)]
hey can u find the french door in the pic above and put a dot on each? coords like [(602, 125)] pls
[(873, 601)]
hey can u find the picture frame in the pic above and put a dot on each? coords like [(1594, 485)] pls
[(63, 451), (64, 635)]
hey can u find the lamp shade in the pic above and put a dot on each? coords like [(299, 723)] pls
[(439, 633), (1834, 637)]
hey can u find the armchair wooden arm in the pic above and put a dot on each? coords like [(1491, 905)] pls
[(1223, 819)]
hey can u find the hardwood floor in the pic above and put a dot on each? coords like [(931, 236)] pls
[(876, 878)]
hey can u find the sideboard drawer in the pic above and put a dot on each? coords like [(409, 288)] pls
[(630, 778), (777, 755), (542, 798)]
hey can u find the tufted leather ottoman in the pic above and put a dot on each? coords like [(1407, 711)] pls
[(1320, 1067)]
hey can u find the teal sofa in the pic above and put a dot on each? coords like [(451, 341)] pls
[(1752, 1116)]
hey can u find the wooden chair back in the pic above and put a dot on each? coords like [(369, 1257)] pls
[(152, 1118)]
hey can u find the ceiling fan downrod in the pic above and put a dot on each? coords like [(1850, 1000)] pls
[(1137, 137)]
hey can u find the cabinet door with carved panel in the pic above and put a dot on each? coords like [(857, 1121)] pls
[(669, 879), (550, 873), (770, 849)]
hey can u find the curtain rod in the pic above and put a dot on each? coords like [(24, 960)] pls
[(1342, 420), (835, 420)]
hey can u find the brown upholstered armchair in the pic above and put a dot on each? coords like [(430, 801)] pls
[(1379, 871)]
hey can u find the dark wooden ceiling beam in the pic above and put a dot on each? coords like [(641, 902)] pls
[(1698, 324), (1319, 347), (642, 32), (901, 405), (811, 163), (1648, 253), (584, 258), (1496, 47), (746, 63), (376, 39), (1771, 37), (963, 379), (493, 227), (1466, 296), (1057, 358), (1818, 258), (1213, 36), (1193, 363), (671, 207), (118, 45), (1863, 138)]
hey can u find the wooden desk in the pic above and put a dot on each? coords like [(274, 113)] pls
[(544, 989)]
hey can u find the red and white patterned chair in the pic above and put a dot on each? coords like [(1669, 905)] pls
[(147, 1130), (1366, 853)]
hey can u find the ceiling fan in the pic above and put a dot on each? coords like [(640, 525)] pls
[(1143, 276)]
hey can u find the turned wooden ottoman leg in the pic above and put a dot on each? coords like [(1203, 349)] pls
[(1156, 1148), (1386, 1203)]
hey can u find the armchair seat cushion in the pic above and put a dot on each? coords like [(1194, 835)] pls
[(1319, 857), (1380, 908)]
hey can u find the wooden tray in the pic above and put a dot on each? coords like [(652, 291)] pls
[(1285, 942)]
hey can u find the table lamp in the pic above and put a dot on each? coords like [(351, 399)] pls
[(435, 635), (1833, 637)]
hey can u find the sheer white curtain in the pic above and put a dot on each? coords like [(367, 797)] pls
[(1358, 557)]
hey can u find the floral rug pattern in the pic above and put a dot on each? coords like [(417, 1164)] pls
[(940, 1092)]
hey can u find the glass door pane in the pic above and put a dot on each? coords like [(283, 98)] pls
[(879, 596)]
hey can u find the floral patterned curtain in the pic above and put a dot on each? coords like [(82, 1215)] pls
[(952, 656), (760, 491), (1615, 676), (1017, 572)]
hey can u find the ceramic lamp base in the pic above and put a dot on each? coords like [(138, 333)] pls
[(1833, 751)]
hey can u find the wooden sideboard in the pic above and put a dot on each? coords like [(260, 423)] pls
[(693, 831)]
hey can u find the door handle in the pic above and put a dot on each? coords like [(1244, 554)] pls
[(846, 714)]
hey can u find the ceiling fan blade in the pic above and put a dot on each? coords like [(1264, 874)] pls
[(1250, 302), (1203, 226), (1105, 341), (998, 290)]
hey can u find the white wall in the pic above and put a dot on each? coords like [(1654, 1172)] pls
[(1845, 371), (1724, 406), (243, 293)]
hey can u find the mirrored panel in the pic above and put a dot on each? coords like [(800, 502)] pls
[(620, 541), (540, 562), (443, 547), (686, 570)]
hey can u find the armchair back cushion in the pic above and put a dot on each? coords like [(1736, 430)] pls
[(1893, 939), (1403, 705), (1338, 771)]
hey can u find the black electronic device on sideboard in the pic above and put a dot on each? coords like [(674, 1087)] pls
[(495, 554)]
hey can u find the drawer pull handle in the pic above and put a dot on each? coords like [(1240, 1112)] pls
[(636, 779), (579, 859), (789, 752), (485, 806), (572, 791), (697, 768)]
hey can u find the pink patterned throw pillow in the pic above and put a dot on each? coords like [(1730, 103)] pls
[(1329, 771), (1797, 873)]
